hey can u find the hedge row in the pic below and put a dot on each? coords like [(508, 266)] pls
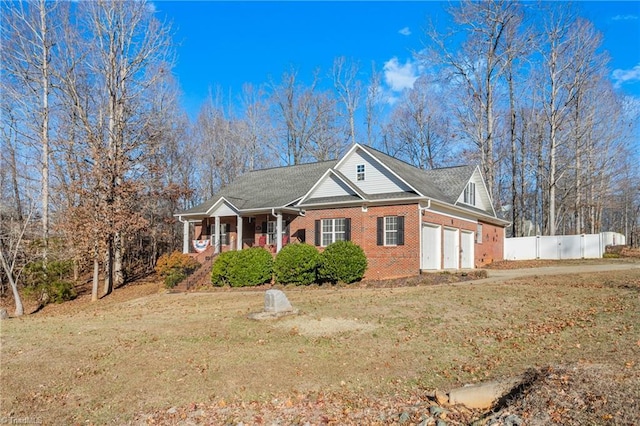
[(297, 264)]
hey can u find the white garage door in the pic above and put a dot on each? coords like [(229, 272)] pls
[(431, 246), (451, 248), (467, 252)]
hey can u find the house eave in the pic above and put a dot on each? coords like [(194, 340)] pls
[(368, 202), (484, 217)]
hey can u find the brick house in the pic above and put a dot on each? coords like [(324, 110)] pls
[(406, 219)]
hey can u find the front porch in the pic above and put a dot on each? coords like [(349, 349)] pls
[(237, 232)]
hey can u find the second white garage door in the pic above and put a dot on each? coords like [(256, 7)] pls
[(451, 248)]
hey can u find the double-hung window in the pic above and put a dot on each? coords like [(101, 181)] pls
[(272, 232), (331, 230), (224, 234), (390, 231), (360, 172)]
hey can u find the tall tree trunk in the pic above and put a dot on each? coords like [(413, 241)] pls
[(108, 277), (44, 31)]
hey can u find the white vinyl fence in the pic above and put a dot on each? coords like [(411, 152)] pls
[(583, 246)]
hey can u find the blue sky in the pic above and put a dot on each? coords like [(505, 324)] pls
[(226, 44)]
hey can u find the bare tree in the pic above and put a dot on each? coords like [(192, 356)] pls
[(29, 38), (373, 101), (419, 127), (475, 69), (348, 87), (306, 121)]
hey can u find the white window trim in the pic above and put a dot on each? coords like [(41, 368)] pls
[(393, 231), (272, 235), (479, 234), (333, 231), (469, 195)]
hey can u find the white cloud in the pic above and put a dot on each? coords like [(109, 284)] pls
[(626, 76), (400, 76), (625, 17), (405, 31)]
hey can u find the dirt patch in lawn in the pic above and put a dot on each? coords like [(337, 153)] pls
[(322, 327)]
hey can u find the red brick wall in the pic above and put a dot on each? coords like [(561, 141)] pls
[(492, 247), (384, 262)]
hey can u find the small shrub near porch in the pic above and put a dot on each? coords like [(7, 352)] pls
[(250, 267), (296, 264), (342, 261), (175, 267)]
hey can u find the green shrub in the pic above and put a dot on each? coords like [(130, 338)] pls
[(342, 261), (222, 267), (296, 264), (611, 256), (250, 267), (175, 267), (50, 284)]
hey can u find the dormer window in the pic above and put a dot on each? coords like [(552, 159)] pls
[(360, 172), (470, 194)]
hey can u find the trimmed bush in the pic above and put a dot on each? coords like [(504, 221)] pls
[(250, 267), (222, 266), (342, 261), (175, 267), (296, 264)]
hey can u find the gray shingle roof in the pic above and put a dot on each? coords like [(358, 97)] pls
[(266, 188), (281, 186)]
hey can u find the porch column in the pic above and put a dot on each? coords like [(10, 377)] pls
[(216, 237), (278, 232), (185, 236), (239, 231)]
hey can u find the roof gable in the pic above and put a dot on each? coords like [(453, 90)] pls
[(332, 184), (377, 177), (481, 198), (222, 207)]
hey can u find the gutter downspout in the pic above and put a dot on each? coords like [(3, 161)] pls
[(421, 211)]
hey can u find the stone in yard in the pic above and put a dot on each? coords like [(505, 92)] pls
[(483, 395), (275, 301), (3, 314)]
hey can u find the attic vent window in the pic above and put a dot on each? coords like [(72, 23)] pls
[(470, 194), (360, 171)]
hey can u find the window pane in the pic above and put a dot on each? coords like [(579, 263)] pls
[(391, 231), (326, 239)]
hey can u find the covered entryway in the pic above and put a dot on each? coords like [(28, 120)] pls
[(451, 248), (467, 251), (431, 246)]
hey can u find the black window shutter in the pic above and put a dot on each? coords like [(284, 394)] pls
[(380, 231), (317, 233), (347, 229), (264, 228), (400, 230)]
